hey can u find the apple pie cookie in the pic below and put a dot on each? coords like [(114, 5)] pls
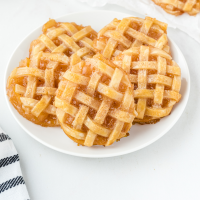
[(65, 38), (178, 7), (95, 104), (32, 86), (156, 79), (120, 35)]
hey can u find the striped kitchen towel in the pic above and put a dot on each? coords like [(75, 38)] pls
[(12, 185)]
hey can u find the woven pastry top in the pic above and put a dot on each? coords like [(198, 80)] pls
[(31, 90), (32, 86), (120, 35), (95, 103), (65, 38), (178, 7), (156, 78)]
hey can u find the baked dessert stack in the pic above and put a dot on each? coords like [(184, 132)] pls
[(96, 86)]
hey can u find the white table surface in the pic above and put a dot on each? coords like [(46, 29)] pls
[(167, 169)]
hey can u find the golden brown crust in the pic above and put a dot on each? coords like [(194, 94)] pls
[(120, 35), (156, 79), (179, 7), (99, 140), (95, 104), (32, 86)]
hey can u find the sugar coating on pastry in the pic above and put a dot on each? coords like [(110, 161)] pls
[(156, 79), (178, 7), (65, 37), (95, 104), (120, 35), (32, 86), (31, 89)]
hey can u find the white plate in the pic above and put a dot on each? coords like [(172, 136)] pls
[(140, 136)]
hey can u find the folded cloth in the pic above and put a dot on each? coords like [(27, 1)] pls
[(186, 23), (12, 184)]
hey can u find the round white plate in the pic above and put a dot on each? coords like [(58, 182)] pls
[(140, 136)]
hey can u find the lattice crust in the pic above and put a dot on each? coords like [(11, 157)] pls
[(178, 7), (32, 86), (156, 79), (95, 104), (120, 35), (67, 38)]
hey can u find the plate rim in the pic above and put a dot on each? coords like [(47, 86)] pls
[(131, 150)]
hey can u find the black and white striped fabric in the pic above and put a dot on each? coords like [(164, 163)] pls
[(12, 185)]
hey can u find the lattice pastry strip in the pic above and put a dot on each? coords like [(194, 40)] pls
[(99, 107), (178, 7), (129, 32), (142, 82), (156, 78)]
